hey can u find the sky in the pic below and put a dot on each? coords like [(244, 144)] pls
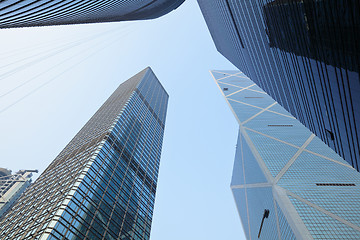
[(53, 79)]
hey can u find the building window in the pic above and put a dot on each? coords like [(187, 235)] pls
[(336, 184), (280, 125), (330, 134)]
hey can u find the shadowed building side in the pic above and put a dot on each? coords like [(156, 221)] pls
[(304, 54), (45, 13)]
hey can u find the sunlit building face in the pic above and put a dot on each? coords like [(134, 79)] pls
[(103, 184)]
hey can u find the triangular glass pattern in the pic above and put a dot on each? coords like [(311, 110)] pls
[(229, 72), (302, 176), (322, 226), (240, 201), (253, 98), (219, 75), (243, 112), (257, 88), (328, 186), (318, 146), (305, 171), (253, 173), (241, 82), (259, 199), (240, 74), (274, 153), (277, 126), (279, 109), (228, 89)]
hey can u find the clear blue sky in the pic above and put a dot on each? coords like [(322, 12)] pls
[(53, 79)]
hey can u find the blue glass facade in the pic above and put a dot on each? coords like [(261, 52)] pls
[(304, 54), (29, 13), (286, 182), (103, 184)]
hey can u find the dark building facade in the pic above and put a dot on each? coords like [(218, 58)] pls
[(45, 13), (305, 54), (287, 184), (103, 184)]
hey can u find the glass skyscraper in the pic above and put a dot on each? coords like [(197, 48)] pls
[(103, 184), (44, 13), (304, 54), (286, 182)]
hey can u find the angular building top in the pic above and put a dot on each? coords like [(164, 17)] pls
[(102, 185), (45, 13), (305, 54), (286, 182)]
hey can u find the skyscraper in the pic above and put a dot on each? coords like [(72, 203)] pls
[(103, 184), (12, 186), (45, 13), (305, 54), (287, 184)]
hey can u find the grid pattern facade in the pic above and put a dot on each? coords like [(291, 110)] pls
[(285, 229), (284, 176), (304, 54), (14, 13), (103, 184)]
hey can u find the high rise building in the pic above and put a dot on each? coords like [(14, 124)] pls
[(305, 54), (45, 13), (12, 186), (286, 182), (103, 184)]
